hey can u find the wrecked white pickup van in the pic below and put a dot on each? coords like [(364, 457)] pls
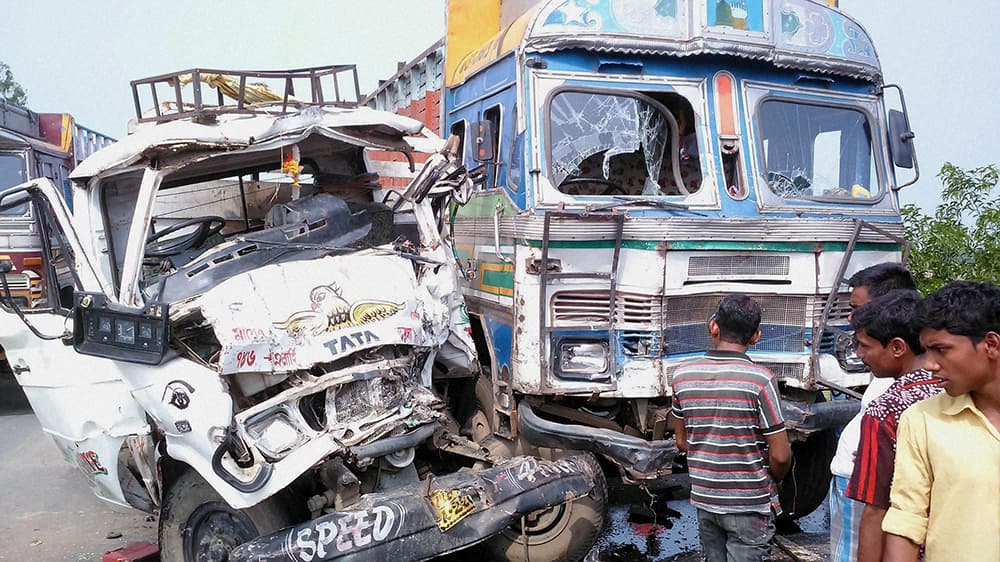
[(246, 338)]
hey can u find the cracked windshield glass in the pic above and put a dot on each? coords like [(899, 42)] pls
[(817, 152), (605, 144)]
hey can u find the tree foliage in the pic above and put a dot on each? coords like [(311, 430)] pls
[(10, 91), (961, 240)]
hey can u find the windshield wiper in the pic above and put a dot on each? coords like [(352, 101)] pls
[(665, 205)]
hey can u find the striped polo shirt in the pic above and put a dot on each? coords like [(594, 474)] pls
[(728, 404)]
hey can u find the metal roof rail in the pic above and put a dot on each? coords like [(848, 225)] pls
[(248, 91)]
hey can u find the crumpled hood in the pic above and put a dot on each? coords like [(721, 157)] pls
[(292, 316)]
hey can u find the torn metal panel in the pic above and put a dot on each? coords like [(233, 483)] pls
[(639, 458), (419, 522), (359, 126), (303, 229), (289, 317)]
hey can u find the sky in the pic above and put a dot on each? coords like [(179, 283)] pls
[(78, 57)]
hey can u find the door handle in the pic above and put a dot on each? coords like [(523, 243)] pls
[(20, 367)]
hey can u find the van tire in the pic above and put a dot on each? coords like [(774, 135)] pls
[(196, 524), (569, 532)]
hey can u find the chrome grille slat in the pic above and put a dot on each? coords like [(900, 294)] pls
[(632, 310)]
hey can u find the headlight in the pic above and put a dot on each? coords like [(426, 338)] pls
[(583, 357), (275, 434), (845, 350)]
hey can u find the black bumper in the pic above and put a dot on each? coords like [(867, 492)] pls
[(433, 518), (641, 459)]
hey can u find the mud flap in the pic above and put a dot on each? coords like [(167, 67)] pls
[(435, 517)]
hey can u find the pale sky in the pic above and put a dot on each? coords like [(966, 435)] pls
[(78, 56)]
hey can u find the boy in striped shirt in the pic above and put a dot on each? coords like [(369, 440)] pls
[(734, 435)]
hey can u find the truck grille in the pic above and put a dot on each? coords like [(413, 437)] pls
[(738, 266), (632, 310), (839, 312), (781, 370), (18, 281), (783, 323)]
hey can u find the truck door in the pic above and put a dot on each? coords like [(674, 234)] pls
[(80, 401)]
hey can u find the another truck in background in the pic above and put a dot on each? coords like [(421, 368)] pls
[(36, 145)]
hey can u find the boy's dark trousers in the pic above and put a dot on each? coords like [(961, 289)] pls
[(735, 537)]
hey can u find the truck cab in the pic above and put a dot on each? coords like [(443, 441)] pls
[(644, 159)]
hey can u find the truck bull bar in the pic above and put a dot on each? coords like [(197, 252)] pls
[(435, 517)]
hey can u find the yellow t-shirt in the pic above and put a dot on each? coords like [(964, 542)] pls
[(946, 484)]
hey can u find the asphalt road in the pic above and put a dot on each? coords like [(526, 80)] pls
[(47, 512)]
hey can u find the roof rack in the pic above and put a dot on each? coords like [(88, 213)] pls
[(249, 91)]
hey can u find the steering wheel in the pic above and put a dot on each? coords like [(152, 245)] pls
[(610, 187), (207, 227), (786, 187)]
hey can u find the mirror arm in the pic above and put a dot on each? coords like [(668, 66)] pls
[(910, 134)]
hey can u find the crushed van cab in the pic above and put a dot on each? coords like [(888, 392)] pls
[(258, 336)]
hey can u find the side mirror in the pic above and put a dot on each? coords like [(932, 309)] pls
[(901, 140), (485, 150)]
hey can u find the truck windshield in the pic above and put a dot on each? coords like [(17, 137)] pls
[(606, 144), (12, 173), (817, 152)]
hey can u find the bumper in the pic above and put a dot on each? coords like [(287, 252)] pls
[(429, 519), (641, 459), (810, 418)]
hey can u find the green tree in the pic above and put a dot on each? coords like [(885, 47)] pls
[(10, 91), (961, 240)]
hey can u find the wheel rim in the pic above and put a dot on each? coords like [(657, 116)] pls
[(213, 531), (541, 526)]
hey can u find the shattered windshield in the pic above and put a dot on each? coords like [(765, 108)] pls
[(814, 151), (606, 144)]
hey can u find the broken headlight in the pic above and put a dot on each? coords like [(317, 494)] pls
[(582, 358), (845, 349), (274, 433), (364, 400)]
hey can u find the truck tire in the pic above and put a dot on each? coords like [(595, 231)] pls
[(564, 533), (197, 525), (808, 482)]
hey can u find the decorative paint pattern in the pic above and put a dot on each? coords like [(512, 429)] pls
[(745, 15), (664, 18), (807, 27), (330, 311), (177, 393), (310, 320), (90, 464)]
